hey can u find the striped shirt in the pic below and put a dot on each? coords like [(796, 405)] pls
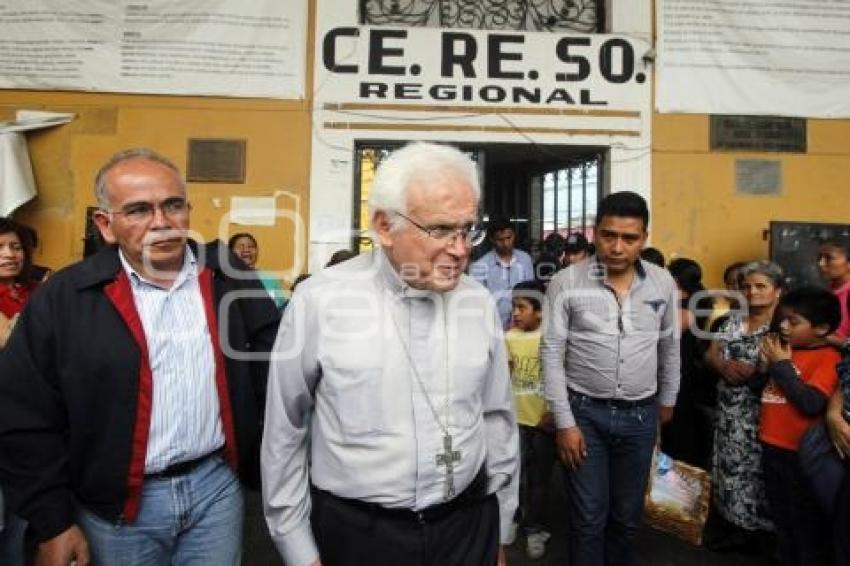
[(185, 419)]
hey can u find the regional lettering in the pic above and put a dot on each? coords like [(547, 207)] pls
[(469, 93)]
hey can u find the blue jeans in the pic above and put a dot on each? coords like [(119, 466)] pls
[(605, 494), (193, 519)]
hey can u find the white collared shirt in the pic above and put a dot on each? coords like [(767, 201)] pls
[(344, 360), (185, 419)]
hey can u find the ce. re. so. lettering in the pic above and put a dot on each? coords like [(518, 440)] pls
[(475, 60)]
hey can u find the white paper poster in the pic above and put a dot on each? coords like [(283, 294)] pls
[(245, 48), (768, 57)]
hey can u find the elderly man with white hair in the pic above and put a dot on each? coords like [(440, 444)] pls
[(393, 364)]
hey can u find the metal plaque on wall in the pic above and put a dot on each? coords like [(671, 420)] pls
[(758, 177), (216, 161), (758, 133)]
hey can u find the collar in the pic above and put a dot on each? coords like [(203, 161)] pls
[(498, 260), (393, 281), (843, 288), (188, 270), (596, 266), (103, 267)]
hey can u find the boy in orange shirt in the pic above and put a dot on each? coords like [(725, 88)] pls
[(802, 377)]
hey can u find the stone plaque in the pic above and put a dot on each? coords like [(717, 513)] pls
[(758, 177), (758, 133), (216, 161)]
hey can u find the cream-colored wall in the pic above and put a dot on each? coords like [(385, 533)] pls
[(696, 212)]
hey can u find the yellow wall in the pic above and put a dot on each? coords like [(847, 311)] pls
[(696, 213), (66, 158)]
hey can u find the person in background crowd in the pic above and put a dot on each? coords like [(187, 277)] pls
[(502, 267), (739, 498), (399, 361), (802, 375), (610, 353), (838, 424), (546, 266), (727, 300), (123, 418), (553, 246), (688, 436), (340, 256), (834, 265), (16, 285), (576, 249), (244, 245), (536, 426), (653, 255)]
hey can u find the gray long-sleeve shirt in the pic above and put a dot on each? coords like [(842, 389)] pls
[(353, 346), (596, 346)]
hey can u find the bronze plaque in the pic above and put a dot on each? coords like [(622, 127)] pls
[(216, 161), (758, 133)]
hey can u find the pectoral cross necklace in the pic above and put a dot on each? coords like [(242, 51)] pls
[(449, 457)]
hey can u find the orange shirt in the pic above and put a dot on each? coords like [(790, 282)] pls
[(782, 424)]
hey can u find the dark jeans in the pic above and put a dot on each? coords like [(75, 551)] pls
[(351, 534), (538, 456), (605, 494), (802, 535)]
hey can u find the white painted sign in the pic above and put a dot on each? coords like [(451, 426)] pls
[(481, 68), (765, 57), (246, 48)]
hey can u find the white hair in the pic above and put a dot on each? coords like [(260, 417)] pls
[(418, 163)]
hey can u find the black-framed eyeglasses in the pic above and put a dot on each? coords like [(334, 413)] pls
[(174, 207), (471, 233)]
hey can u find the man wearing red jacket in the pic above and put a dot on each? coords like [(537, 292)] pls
[(130, 391)]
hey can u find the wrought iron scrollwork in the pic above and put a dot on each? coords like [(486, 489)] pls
[(532, 15)]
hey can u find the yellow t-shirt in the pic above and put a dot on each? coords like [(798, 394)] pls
[(526, 377)]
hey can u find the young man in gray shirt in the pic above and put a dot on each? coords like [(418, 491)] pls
[(610, 354)]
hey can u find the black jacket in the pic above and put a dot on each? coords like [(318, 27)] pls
[(72, 426)]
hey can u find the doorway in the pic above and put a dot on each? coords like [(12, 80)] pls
[(541, 188)]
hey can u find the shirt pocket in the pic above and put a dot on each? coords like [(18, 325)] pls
[(355, 395), (593, 313)]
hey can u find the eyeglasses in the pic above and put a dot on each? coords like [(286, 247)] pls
[(471, 233), (143, 211)]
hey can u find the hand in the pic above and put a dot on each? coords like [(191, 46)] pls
[(839, 432), (569, 442), (547, 422), (736, 372), (500, 559), (6, 326), (665, 414), (774, 349), (66, 548), (316, 562)]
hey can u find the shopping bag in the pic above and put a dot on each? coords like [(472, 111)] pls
[(677, 498)]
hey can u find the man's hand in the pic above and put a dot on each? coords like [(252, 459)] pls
[(316, 562), (69, 547), (500, 559), (665, 414), (571, 448)]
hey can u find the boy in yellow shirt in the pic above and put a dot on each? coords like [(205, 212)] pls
[(535, 422)]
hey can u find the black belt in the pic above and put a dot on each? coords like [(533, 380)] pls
[(181, 468), (615, 403), (475, 492)]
